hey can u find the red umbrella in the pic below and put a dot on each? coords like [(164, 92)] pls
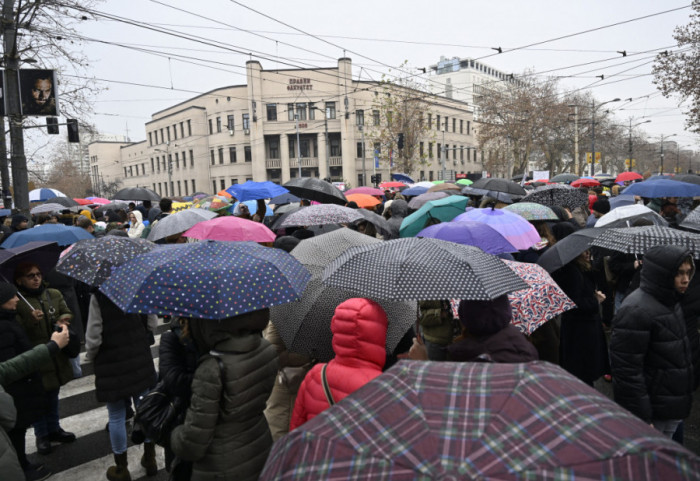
[(585, 183), (625, 176), (83, 201), (392, 185), (364, 190), (231, 228), (98, 200)]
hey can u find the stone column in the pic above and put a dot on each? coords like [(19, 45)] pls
[(284, 157)]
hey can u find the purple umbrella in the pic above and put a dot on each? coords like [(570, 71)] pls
[(517, 230), (470, 233)]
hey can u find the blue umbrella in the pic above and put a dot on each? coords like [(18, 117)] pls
[(663, 188), (59, 233), (252, 208), (417, 190), (287, 198), (405, 178), (621, 200), (256, 190), (470, 233), (42, 195), (207, 280)]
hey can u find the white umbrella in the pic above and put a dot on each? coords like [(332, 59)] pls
[(47, 208), (629, 213), (44, 194)]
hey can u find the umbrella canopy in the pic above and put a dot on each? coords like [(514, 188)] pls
[(363, 200), (62, 234), (628, 176), (112, 206), (415, 190), (319, 190), (250, 190), (392, 185), (379, 222), (44, 194), (443, 210), (517, 230), (532, 211), (178, 223), (692, 220), (252, 208), (92, 260), (470, 190), (284, 199), (470, 233), (564, 178), (663, 188), (689, 178), (231, 228), (321, 214), (585, 183), (464, 182), (136, 193), (487, 421), (207, 280), (568, 249), (364, 190), (83, 201), (421, 269), (445, 186), (558, 194), (499, 185), (621, 200), (400, 177), (47, 208), (624, 216), (291, 207), (321, 250), (98, 200), (420, 200), (66, 202), (44, 254), (213, 203), (638, 240)]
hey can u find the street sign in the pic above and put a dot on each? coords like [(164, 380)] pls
[(632, 164), (597, 157)]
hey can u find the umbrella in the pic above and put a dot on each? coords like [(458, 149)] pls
[(405, 178), (445, 186), (92, 260), (44, 254), (207, 280), (288, 210), (252, 207), (392, 185), (291, 207), (626, 215), (637, 240), (250, 190), (178, 223), (689, 178), (323, 229), (98, 200), (64, 201), (319, 190), (284, 199), (47, 208), (564, 178), (321, 214), (558, 194), (112, 206), (364, 190), (464, 182), (568, 249), (486, 421), (379, 222), (136, 193), (532, 211), (83, 201), (692, 220), (621, 200), (224, 194), (469, 190), (44, 194), (213, 203), (420, 200), (322, 250), (499, 185), (230, 228), (421, 269), (441, 209), (415, 190), (363, 200), (63, 235), (628, 176), (584, 182), (663, 188), (470, 233), (517, 230)]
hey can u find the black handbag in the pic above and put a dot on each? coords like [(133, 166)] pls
[(158, 413)]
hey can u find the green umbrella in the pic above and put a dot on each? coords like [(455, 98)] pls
[(464, 182), (438, 181), (442, 209)]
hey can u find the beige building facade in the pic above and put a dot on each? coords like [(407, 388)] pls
[(250, 132)]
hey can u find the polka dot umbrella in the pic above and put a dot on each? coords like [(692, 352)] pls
[(207, 280)]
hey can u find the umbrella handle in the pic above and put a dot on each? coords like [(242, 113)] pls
[(18, 293), (417, 329)]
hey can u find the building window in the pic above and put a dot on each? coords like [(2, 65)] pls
[(437, 122), (430, 176), (360, 149), (274, 148), (330, 110), (430, 150), (218, 124), (222, 182), (194, 188), (154, 187), (232, 154), (377, 148), (376, 118), (234, 181), (162, 138), (213, 157), (430, 121), (335, 147), (421, 148), (182, 129), (439, 151), (221, 155), (153, 169), (247, 153), (167, 130), (175, 132), (271, 112), (469, 127), (290, 111), (160, 191), (150, 139), (192, 161), (454, 125), (312, 111), (179, 190), (213, 184), (246, 121), (301, 111), (229, 123), (461, 152), (454, 152), (389, 118), (189, 127), (422, 175), (158, 163), (447, 124), (211, 127), (360, 117), (177, 160), (461, 126)]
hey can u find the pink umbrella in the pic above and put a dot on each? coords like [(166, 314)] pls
[(231, 228), (98, 200), (365, 190)]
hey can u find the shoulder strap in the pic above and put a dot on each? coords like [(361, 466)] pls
[(222, 373), (326, 388)]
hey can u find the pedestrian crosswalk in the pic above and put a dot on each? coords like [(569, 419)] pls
[(90, 455)]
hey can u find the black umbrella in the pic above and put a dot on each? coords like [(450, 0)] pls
[(638, 240), (377, 221), (568, 249), (558, 194), (112, 206), (690, 178), (136, 193), (499, 185), (42, 253), (564, 178), (692, 220), (64, 201), (319, 190)]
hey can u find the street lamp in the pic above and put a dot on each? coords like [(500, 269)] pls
[(593, 109), (629, 165), (661, 166)]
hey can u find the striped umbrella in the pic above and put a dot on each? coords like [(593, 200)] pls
[(517, 230)]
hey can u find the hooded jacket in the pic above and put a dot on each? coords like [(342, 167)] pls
[(359, 342), (650, 353), (399, 210), (136, 229)]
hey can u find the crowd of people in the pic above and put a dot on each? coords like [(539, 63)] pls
[(238, 388)]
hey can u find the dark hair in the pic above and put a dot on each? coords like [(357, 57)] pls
[(165, 205), (23, 268)]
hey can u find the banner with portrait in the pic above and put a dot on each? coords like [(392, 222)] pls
[(38, 92)]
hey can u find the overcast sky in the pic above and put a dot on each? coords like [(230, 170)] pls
[(377, 34)]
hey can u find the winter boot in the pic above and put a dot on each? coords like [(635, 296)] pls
[(120, 472), (148, 460)]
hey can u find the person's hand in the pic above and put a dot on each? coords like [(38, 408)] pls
[(37, 314), (418, 352), (637, 263), (61, 338), (599, 296), (63, 322)]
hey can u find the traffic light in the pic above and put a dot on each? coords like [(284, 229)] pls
[(52, 125), (400, 141), (376, 178), (73, 135)]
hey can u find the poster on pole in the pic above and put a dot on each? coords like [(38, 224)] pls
[(540, 175), (38, 92)]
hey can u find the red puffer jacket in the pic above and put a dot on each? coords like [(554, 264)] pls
[(359, 341)]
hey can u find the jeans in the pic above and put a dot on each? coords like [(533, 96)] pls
[(49, 422), (666, 426), (75, 365), (117, 423)]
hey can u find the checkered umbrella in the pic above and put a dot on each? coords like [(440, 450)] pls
[(638, 240), (558, 194), (321, 214), (532, 211), (47, 208), (439, 420), (421, 269), (692, 220)]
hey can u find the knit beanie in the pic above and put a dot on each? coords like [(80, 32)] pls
[(7, 292), (601, 206), (484, 318), (17, 219), (286, 243)]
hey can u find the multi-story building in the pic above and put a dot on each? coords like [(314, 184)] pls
[(280, 125)]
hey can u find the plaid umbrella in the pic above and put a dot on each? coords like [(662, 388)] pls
[(178, 223), (517, 230), (624, 216), (558, 194), (420, 200), (421, 269), (321, 214), (532, 211), (692, 220), (250, 190), (136, 193), (499, 185), (206, 280), (638, 240), (92, 260), (319, 190), (442, 209), (439, 420), (567, 249), (230, 228), (470, 233), (564, 178), (47, 208)]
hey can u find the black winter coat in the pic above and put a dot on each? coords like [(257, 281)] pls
[(507, 346), (691, 312), (177, 363), (650, 352)]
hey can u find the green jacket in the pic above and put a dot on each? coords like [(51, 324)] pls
[(57, 371), (437, 328)]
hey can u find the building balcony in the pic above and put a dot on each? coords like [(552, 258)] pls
[(335, 161), (273, 163), (305, 162)]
